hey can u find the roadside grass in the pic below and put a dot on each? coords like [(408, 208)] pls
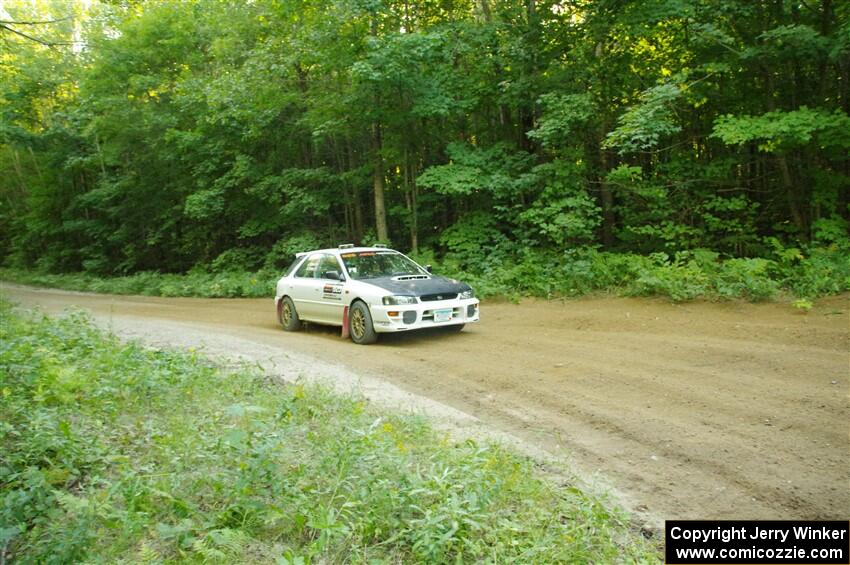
[(686, 275), (113, 452), (208, 285)]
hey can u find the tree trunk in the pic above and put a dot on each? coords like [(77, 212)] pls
[(603, 166), (526, 109), (606, 198), (484, 7), (825, 30), (35, 164), (16, 163), (791, 193), (414, 228), (378, 184), (378, 160), (357, 201), (410, 200)]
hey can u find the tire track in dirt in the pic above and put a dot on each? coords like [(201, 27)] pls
[(701, 410)]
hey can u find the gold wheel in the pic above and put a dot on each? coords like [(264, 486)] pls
[(289, 316), (358, 323)]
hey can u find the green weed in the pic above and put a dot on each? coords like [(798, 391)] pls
[(516, 272)]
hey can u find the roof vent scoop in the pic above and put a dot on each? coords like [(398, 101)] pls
[(346, 245), (380, 245)]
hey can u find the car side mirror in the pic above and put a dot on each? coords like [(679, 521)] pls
[(428, 268), (333, 275)]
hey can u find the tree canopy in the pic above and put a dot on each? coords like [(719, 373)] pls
[(166, 135)]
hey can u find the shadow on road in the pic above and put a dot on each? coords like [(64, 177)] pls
[(398, 339)]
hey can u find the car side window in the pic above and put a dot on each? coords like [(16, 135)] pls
[(328, 263), (291, 267), (307, 270)]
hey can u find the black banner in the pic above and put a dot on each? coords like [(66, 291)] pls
[(762, 542)]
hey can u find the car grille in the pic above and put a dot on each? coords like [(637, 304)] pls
[(440, 296), (409, 317), (428, 315)]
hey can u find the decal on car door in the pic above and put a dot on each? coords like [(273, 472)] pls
[(332, 291)]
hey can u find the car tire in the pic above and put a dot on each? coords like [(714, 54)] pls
[(360, 326), (289, 316)]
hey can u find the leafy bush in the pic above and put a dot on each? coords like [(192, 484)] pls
[(117, 453), (747, 278), (283, 252), (196, 283), (825, 270), (686, 275), (238, 259), (469, 236), (680, 279), (498, 267)]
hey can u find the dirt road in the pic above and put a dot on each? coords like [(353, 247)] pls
[(688, 411)]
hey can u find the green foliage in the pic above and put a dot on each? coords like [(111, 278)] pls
[(197, 283), (831, 231), (283, 252), (452, 179), (117, 453), (727, 223), (563, 116), (781, 131), (686, 275), (481, 255), (821, 271), (644, 125), (238, 259), (495, 171), (563, 215), (190, 136), (468, 237)]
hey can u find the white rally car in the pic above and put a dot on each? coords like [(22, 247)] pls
[(370, 290)]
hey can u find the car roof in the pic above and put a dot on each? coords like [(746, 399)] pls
[(339, 251)]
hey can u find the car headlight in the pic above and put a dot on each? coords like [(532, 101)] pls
[(467, 294), (396, 300)]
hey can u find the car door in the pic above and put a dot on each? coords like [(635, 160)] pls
[(329, 274), (305, 290)]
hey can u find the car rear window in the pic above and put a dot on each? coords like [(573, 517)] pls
[(292, 266)]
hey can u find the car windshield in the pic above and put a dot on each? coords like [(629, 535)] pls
[(373, 264)]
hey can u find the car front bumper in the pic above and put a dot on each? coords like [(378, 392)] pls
[(424, 315)]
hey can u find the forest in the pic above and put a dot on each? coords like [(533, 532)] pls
[(540, 147)]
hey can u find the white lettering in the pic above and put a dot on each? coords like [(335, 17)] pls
[(770, 534)]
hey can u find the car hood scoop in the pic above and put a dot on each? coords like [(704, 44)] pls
[(416, 286)]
